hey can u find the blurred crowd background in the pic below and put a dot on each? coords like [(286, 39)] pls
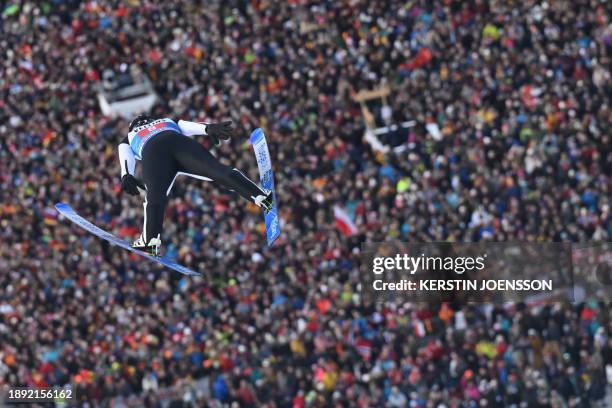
[(511, 142)]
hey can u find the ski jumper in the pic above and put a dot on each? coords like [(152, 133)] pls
[(166, 149)]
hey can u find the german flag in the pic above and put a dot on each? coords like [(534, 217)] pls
[(50, 216)]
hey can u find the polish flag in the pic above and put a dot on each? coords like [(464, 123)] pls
[(344, 222)]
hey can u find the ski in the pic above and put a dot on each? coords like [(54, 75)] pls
[(69, 213), (266, 177)]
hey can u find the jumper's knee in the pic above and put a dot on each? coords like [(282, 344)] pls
[(156, 198)]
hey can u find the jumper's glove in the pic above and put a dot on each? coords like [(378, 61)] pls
[(130, 184), (223, 131)]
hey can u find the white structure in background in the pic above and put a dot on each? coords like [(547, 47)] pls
[(125, 93), (372, 132)]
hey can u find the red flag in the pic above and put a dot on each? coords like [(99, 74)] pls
[(344, 222)]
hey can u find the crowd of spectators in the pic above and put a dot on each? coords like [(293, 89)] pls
[(518, 95)]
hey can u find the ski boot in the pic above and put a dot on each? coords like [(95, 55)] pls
[(265, 201), (153, 248)]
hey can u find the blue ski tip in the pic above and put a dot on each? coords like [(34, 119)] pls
[(61, 207), (256, 135)]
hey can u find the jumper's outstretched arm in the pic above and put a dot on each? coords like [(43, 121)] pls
[(192, 128)]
